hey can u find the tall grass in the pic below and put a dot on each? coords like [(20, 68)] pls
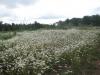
[(6, 35), (49, 52)]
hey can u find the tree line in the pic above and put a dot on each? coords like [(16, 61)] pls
[(21, 27), (93, 20)]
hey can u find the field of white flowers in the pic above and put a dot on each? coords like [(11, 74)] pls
[(39, 52)]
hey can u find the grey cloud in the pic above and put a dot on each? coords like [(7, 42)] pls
[(51, 16), (14, 3), (5, 12), (96, 11)]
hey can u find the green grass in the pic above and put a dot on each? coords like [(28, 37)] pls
[(6, 35)]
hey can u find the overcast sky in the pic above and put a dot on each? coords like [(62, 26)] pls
[(46, 11)]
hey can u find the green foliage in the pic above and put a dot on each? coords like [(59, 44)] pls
[(19, 27), (32, 53), (93, 20), (6, 35), (81, 59)]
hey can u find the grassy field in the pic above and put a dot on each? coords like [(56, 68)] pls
[(6, 35), (49, 52)]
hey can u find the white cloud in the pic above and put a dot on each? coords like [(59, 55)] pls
[(52, 10), (14, 3)]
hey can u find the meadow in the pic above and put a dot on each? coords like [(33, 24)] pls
[(49, 52)]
